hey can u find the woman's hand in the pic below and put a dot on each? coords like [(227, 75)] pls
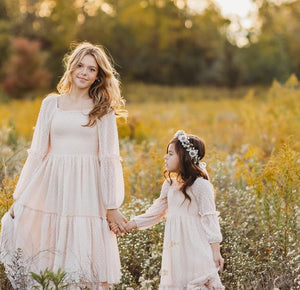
[(116, 221), (219, 261)]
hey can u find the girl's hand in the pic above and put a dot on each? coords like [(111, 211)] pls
[(130, 225), (115, 217), (219, 261)]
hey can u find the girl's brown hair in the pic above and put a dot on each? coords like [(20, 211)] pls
[(188, 171), (105, 91)]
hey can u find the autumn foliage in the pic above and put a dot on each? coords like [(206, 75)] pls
[(24, 71)]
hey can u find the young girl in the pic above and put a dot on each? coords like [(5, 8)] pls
[(71, 185), (191, 253)]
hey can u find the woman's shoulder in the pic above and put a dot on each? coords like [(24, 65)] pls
[(50, 99), (109, 116)]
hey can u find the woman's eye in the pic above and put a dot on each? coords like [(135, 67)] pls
[(79, 65)]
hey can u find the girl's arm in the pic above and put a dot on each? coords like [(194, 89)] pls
[(204, 193), (156, 212), (131, 225)]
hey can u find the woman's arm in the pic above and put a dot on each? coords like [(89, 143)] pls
[(39, 145), (111, 182), (116, 220)]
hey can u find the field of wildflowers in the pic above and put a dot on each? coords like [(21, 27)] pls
[(253, 157)]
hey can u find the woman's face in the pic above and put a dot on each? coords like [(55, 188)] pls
[(85, 72), (172, 159)]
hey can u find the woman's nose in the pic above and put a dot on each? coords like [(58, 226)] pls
[(83, 71)]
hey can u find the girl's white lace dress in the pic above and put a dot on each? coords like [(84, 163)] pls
[(71, 176), (187, 261)]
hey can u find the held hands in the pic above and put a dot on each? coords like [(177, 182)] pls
[(117, 222), (129, 226)]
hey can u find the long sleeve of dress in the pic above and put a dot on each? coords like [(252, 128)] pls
[(112, 183), (204, 193), (39, 146), (156, 212)]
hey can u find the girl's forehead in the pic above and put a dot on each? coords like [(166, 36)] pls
[(171, 147)]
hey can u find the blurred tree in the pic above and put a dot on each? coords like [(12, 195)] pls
[(229, 72), (4, 35), (274, 53), (159, 41), (57, 27), (51, 22), (24, 70)]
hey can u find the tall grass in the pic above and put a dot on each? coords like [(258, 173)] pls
[(253, 142)]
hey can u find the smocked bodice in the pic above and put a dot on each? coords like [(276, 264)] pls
[(69, 137)]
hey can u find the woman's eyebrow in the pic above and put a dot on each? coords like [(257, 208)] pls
[(88, 65)]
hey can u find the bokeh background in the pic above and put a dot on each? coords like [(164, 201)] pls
[(227, 74)]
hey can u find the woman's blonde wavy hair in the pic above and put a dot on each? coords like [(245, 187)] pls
[(105, 91)]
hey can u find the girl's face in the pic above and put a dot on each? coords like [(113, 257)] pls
[(172, 159), (85, 72)]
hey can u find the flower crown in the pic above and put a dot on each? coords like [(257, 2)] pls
[(193, 152)]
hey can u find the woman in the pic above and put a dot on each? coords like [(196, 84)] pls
[(71, 185)]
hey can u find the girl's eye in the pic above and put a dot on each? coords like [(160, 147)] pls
[(79, 65), (92, 69)]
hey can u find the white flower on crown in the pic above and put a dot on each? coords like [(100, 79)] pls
[(179, 132), (183, 138), (202, 165), (193, 153)]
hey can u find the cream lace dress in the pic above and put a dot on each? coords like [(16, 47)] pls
[(71, 176), (187, 261)]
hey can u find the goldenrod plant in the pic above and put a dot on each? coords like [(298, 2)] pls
[(254, 164)]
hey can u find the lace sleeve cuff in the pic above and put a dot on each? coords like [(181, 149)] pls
[(211, 226)]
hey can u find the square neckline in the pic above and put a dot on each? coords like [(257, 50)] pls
[(80, 111)]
